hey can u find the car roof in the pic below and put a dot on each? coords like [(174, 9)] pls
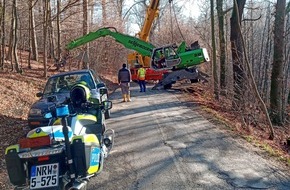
[(71, 72)]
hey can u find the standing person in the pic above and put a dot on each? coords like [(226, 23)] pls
[(124, 79), (141, 77)]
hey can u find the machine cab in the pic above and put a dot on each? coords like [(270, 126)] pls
[(164, 58)]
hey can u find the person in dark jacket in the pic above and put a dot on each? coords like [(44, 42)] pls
[(124, 79)]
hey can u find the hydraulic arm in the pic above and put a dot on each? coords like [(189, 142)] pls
[(130, 42)]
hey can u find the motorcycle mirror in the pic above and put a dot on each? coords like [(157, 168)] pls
[(103, 91), (107, 104), (100, 85)]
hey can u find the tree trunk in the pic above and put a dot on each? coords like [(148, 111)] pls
[(2, 34), (222, 44), (29, 36), (3, 31), (85, 31), (263, 53), (50, 34), (215, 72), (1, 18), (276, 92), (287, 87), (267, 58), (120, 5), (15, 39), (45, 24), (253, 53), (287, 62), (104, 13), (10, 45), (58, 29), (237, 54), (34, 47)]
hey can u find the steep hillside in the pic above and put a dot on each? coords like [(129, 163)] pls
[(17, 94)]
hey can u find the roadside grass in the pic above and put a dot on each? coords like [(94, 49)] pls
[(230, 125), (219, 118), (267, 148)]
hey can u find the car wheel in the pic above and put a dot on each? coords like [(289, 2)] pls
[(107, 114)]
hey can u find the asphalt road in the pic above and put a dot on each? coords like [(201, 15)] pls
[(161, 143)]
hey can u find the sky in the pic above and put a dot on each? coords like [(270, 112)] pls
[(190, 9)]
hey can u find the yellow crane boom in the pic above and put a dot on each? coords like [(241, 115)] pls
[(134, 59)]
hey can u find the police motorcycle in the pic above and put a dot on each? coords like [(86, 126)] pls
[(65, 155)]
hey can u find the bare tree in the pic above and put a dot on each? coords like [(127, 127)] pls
[(265, 56), (29, 37), (252, 80), (119, 6), (85, 31), (58, 29), (237, 54), (215, 72), (51, 34), (2, 34), (15, 37), (33, 43), (222, 43), (287, 60), (104, 13), (12, 47), (45, 26), (276, 92), (10, 43)]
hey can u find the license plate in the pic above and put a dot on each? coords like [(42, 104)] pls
[(44, 176)]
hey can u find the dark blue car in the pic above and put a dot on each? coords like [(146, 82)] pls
[(57, 90)]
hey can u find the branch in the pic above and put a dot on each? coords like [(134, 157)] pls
[(287, 8), (131, 8), (33, 5), (228, 10), (287, 31), (252, 19)]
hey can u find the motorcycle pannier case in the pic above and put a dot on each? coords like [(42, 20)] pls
[(86, 154), (14, 166)]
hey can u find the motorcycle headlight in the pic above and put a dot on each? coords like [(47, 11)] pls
[(34, 111)]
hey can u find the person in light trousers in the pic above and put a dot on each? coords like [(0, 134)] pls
[(124, 79)]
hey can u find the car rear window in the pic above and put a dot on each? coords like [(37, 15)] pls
[(63, 83)]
